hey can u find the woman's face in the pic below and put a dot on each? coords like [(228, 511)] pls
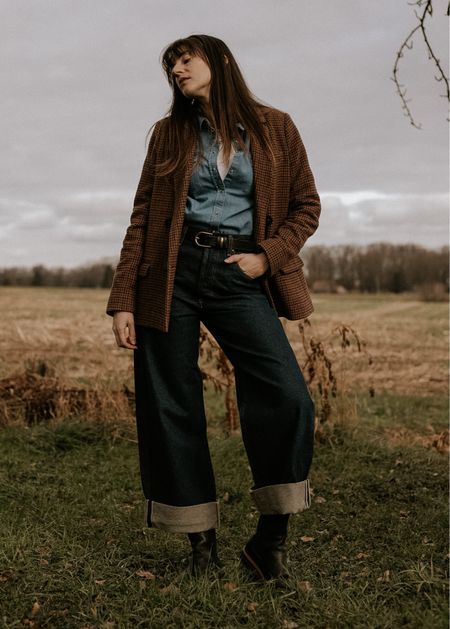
[(193, 76)]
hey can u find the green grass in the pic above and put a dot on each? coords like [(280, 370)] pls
[(390, 410), (73, 538)]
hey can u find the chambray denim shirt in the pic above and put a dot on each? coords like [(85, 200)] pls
[(226, 205)]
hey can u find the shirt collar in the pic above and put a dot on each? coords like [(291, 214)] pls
[(203, 120)]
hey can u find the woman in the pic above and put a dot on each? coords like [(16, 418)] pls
[(225, 202)]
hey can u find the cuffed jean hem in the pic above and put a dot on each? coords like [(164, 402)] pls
[(282, 498), (190, 519)]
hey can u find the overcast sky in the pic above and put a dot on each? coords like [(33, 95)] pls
[(82, 84)]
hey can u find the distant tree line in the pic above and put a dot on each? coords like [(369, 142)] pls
[(370, 268), (376, 267), (98, 275)]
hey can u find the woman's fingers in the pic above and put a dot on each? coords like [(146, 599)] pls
[(124, 330), (253, 264), (235, 257), (131, 333)]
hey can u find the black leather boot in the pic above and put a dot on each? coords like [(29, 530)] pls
[(204, 552), (266, 553)]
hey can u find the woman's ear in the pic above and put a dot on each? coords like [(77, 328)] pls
[(226, 59)]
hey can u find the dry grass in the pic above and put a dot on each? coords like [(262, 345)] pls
[(403, 436), (406, 338)]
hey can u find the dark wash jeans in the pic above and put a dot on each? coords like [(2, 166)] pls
[(275, 408)]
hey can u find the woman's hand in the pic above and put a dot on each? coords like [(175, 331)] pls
[(123, 328), (253, 264)]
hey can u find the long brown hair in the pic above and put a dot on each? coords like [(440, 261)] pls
[(230, 99)]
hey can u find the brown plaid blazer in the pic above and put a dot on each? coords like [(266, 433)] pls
[(287, 209)]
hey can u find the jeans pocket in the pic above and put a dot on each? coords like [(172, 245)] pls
[(243, 273)]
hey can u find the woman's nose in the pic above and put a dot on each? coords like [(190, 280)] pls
[(176, 69)]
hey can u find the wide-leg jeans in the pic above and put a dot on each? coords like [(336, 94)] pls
[(275, 408)]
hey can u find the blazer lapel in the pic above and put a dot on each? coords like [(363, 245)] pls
[(181, 187), (262, 173)]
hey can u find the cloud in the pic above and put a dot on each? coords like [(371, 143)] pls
[(367, 216)]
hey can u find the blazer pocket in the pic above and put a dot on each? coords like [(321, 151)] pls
[(143, 269), (293, 265)]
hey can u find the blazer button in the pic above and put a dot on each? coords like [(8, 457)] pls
[(269, 220)]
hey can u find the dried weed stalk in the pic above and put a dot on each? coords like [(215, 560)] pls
[(318, 368)]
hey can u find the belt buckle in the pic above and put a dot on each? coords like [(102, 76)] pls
[(199, 243)]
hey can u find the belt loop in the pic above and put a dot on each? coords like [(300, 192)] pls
[(230, 249)]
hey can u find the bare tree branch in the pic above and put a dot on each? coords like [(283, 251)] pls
[(408, 44)]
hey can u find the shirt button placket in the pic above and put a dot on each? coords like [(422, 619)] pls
[(218, 183)]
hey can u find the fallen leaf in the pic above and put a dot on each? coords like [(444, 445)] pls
[(320, 499), (145, 574), (304, 586), (307, 538), (252, 606), (226, 497), (289, 624), (43, 550), (169, 589), (100, 581), (230, 586), (362, 555), (58, 612), (385, 576), (35, 608)]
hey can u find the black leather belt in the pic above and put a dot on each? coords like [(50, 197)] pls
[(206, 237)]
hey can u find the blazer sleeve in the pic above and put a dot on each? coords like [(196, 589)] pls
[(123, 289), (304, 205)]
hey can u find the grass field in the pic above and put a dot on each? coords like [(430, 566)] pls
[(408, 339), (371, 551)]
